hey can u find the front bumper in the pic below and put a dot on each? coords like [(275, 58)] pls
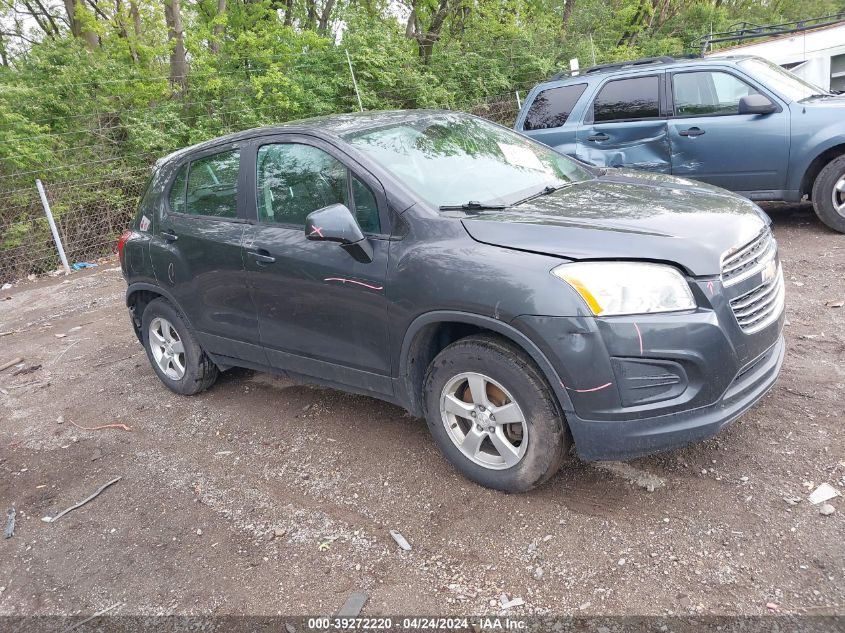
[(619, 440), (633, 385)]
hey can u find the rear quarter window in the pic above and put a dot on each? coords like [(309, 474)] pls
[(628, 100), (552, 107)]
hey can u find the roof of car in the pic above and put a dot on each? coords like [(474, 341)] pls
[(335, 125), (649, 63)]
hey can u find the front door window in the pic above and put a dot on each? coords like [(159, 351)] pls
[(708, 93), (295, 180)]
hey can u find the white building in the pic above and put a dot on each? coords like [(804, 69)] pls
[(816, 54)]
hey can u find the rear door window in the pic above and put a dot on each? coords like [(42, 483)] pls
[(708, 93), (213, 185), (628, 100), (551, 108)]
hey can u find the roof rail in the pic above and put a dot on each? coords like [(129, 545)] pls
[(603, 68), (747, 31)]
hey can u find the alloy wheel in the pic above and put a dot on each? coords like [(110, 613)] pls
[(167, 348), (839, 195), (484, 421)]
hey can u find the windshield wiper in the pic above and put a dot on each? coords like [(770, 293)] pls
[(472, 205), (545, 191), (817, 95)]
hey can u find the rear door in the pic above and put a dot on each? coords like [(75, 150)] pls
[(713, 143), (197, 254), (321, 312), (625, 126)]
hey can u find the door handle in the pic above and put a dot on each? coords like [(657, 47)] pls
[(170, 236), (693, 131), (601, 136), (262, 257)]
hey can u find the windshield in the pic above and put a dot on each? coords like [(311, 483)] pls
[(786, 83), (451, 159)]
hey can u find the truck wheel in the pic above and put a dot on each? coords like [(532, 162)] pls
[(173, 351), (493, 414), (829, 194)]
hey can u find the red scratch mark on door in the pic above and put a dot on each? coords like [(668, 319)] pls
[(599, 388), (640, 337), (710, 287), (354, 281)]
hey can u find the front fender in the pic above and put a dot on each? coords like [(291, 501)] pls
[(809, 143), (500, 327)]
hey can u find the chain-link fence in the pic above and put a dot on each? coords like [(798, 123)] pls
[(89, 217), (91, 213), (501, 109)]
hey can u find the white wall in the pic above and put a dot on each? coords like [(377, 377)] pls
[(812, 48)]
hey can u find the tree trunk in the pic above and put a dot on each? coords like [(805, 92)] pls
[(567, 15), (72, 7), (217, 31), (135, 15), (426, 39), (176, 38), (323, 26), (4, 60), (123, 32), (629, 37), (311, 15), (75, 27), (288, 12), (413, 26)]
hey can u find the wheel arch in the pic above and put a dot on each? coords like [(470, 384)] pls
[(816, 165), (139, 295), (431, 332)]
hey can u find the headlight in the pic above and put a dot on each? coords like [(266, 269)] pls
[(627, 287)]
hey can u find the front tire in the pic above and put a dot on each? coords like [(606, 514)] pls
[(173, 351), (493, 414), (829, 194)]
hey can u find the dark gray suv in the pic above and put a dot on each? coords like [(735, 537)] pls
[(516, 298)]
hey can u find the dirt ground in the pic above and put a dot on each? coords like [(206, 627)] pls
[(265, 496)]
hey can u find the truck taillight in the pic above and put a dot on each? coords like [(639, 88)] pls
[(121, 242)]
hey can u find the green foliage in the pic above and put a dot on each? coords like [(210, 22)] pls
[(97, 115)]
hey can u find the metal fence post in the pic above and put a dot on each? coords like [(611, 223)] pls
[(518, 101), (354, 82), (53, 229)]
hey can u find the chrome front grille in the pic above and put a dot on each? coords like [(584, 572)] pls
[(744, 261), (761, 306)]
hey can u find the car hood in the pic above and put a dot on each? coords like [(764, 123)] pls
[(824, 103), (627, 214)]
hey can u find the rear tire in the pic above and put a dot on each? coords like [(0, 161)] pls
[(520, 450), (829, 194), (173, 351)]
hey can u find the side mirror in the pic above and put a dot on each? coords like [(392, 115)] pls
[(336, 223), (756, 104)]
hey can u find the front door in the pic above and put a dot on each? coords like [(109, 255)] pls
[(713, 143), (625, 126), (321, 313), (198, 255)]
